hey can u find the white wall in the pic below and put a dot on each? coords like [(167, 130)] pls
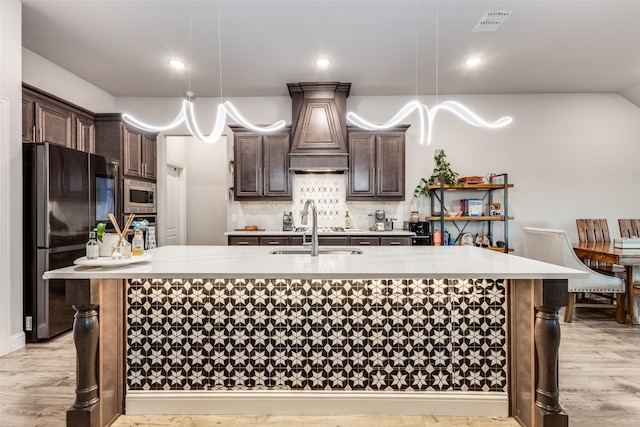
[(12, 335), (45, 75)]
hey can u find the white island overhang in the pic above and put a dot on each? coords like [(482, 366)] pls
[(404, 330)]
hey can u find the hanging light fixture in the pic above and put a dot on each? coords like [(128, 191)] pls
[(454, 107), (187, 115)]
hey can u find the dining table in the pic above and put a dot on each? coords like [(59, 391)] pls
[(628, 258)]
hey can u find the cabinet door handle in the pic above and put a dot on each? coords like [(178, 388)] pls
[(274, 243), (365, 243), (243, 243), (33, 133), (395, 242)]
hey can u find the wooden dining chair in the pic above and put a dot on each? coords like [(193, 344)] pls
[(593, 230), (629, 227), (554, 247), (596, 230)]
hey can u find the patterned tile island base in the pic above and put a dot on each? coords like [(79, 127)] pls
[(377, 335)]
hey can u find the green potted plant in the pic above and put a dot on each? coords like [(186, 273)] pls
[(442, 168), (100, 229)]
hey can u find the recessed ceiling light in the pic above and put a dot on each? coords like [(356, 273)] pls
[(176, 64), (322, 62), (474, 61)]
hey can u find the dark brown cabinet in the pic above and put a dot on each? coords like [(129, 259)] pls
[(47, 118), (261, 165), (134, 149), (85, 133), (376, 164), (139, 154)]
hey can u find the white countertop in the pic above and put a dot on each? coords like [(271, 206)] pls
[(376, 262)]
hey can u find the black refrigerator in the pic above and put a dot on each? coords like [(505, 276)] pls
[(59, 210)]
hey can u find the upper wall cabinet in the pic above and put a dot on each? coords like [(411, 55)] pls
[(132, 148), (47, 118), (376, 164), (261, 164)]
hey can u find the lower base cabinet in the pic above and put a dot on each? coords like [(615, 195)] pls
[(297, 240)]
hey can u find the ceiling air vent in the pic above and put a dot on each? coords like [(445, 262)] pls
[(491, 20)]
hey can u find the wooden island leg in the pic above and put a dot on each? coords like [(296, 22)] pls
[(85, 411), (99, 346), (550, 296)]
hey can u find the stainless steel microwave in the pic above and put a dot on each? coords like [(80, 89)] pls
[(139, 197)]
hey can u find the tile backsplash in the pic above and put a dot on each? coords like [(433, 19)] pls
[(329, 193)]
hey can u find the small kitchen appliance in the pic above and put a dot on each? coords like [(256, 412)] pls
[(287, 222), (422, 230), (378, 220)]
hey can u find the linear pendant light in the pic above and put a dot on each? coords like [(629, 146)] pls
[(454, 107), (186, 114)]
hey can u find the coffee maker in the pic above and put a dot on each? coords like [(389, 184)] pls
[(287, 222), (378, 220)]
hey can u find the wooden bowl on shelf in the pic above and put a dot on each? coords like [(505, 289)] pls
[(251, 227)]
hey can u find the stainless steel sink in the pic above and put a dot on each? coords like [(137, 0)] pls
[(321, 251)]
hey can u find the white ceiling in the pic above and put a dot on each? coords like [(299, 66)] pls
[(387, 47)]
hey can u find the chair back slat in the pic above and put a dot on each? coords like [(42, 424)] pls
[(592, 230), (629, 227)]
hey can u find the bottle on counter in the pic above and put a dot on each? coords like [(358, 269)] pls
[(437, 238), (137, 244), (92, 246), (347, 220), (445, 238)]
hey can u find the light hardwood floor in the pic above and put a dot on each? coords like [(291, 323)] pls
[(599, 385)]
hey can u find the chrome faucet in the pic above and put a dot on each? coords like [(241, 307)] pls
[(314, 233)]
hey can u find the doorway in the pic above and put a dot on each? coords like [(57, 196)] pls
[(175, 221), (200, 187)]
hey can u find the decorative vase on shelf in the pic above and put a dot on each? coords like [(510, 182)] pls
[(106, 245)]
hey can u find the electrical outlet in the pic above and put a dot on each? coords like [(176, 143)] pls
[(234, 218), (28, 323)]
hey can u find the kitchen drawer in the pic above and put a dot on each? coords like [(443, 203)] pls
[(395, 241), (364, 241), (243, 240), (274, 241), (333, 240)]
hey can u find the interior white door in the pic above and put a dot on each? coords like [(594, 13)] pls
[(174, 206)]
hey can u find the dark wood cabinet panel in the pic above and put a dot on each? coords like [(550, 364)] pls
[(274, 241), (376, 164), (247, 166), (362, 165), (149, 156), (333, 240), (261, 165), (390, 161), (364, 241), (243, 241), (277, 180), (132, 152), (85, 134), (395, 241)]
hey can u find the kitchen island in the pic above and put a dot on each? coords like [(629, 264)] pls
[(414, 330)]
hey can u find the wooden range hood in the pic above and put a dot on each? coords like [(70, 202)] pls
[(319, 127)]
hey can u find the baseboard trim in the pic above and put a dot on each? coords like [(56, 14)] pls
[(478, 404)]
